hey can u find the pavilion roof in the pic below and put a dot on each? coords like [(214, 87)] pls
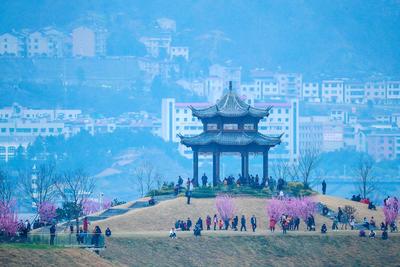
[(234, 138), (230, 105)]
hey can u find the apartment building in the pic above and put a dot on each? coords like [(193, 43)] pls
[(354, 93), (332, 91), (89, 42), (11, 45), (311, 92)]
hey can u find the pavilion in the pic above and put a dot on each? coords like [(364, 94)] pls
[(230, 125)]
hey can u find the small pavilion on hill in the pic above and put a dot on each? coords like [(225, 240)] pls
[(230, 125)]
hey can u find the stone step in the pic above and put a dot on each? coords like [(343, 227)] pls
[(113, 212)]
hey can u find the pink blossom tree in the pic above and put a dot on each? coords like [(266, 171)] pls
[(295, 207), (305, 207), (275, 208), (391, 210), (225, 207), (90, 206), (47, 212), (8, 218)]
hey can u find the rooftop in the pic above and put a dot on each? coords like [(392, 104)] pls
[(231, 138), (230, 105)]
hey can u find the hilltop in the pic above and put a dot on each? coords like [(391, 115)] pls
[(163, 215)]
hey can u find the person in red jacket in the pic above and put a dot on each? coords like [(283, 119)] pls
[(272, 224)]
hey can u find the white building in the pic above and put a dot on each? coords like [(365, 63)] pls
[(332, 91), (290, 84), (157, 46), (311, 92), (11, 45), (179, 51), (375, 92), (354, 93), (393, 91), (37, 45), (58, 43), (87, 42), (177, 119), (16, 111)]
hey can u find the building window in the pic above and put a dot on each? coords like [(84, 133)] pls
[(248, 126), (212, 126), (230, 126), (2, 149)]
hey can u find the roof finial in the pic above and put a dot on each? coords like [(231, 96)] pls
[(230, 86)]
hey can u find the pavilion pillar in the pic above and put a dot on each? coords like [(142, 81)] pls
[(265, 166), (245, 167), (216, 163), (195, 168)]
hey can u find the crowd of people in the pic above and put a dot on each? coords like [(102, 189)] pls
[(252, 180), (366, 201), (213, 223)]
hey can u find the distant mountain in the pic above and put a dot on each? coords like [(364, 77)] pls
[(342, 38)]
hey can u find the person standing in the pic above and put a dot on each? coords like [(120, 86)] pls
[(323, 187), (188, 223), (52, 234), (189, 190), (253, 221), (208, 222), (243, 224), (215, 221), (204, 179)]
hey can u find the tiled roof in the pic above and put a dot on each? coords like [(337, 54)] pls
[(230, 105), (231, 138)]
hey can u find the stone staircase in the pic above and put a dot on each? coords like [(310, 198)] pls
[(111, 212)]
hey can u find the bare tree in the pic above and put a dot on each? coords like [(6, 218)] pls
[(364, 174), (280, 169), (306, 165), (39, 184), (145, 177), (74, 187), (6, 187)]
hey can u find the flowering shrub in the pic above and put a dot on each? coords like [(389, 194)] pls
[(8, 218), (47, 212), (90, 206), (391, 210), (225, 206), (302, 207)]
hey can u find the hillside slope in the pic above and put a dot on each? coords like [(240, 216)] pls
[(277, 250), (163, 216), (24, 256)]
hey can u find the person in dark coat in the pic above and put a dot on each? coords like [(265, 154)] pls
[(188, 224), (200, 223), (108, 232), (324, 229), (253, 221), (243, 223), (52, 234), (235, 223), (204, 179), (323, 187)]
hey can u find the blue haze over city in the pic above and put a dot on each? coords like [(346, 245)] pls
[(108, 86)]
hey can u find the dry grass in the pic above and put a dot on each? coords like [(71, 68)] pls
[(254, 250), (362, 209), (163, 216), (14, 256)]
